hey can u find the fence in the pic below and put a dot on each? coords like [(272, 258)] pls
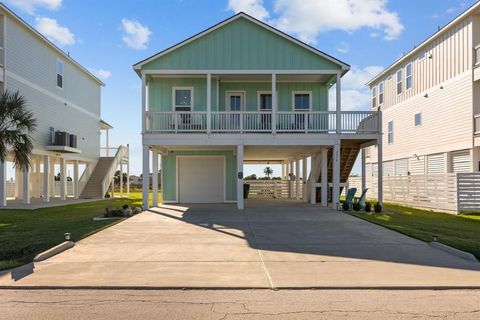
[(273, 189), (452, 192)]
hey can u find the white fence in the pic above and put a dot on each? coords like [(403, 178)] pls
[(273, 189), (453, 192)]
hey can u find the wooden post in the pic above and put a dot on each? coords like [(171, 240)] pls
[(297, 179), (63, 180), (336, 174), (304, 180), (324, 179), (240, 202)]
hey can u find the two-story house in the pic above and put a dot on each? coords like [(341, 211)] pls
[(245, 92), (430, 103), (65, 100)]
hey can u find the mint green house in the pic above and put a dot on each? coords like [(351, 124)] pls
[(244, 92)]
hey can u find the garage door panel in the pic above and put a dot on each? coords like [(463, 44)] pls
[(201, 179)]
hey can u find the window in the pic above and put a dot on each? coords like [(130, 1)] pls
[(399, 81), (408, 76), (235, 100), (374, 97), (301, 101), (265, 100), (380, 93), (390, 132), (183, 99), (418, 119), (59, 74), (421, 56)]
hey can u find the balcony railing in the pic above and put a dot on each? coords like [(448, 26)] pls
[(261, 122)]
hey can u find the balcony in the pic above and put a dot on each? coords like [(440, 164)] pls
[(258, 122)]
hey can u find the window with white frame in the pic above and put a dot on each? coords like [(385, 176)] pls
[(390, 132), (380, 93), (421, 56), (59, 67), (183, 98), (399, 81), (374, 97), (302, 100), (408, 76), (264, 101), (418, 119)]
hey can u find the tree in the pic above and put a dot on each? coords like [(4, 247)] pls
[(116, 177), (251, 177), (268, 171), (17, 125)]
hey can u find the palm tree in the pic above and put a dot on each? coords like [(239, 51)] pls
[(16, 127), (268, 171)]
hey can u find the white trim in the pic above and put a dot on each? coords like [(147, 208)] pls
[(192, 95), (50, 94), (399, 81), (407, 76), (380, 103), (57, 62), (310, 96), (257, 22), (224, 157), (229, 93), (240, 71)]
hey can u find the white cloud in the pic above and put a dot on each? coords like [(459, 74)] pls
[(254, 8), (135, 35), (54, 32), (101, 73), (343, 47), (355, 94), (30, 6)]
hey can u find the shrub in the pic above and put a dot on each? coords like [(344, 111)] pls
[(378, 207), (368, 207), (110, 213), (125, 206), (345, 206), (356, 206)]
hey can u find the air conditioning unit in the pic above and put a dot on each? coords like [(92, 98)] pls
[(73, 140), (62, 138)]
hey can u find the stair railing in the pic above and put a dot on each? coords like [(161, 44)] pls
[(121, 153)]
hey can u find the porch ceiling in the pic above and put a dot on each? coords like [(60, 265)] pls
[(278, 153)]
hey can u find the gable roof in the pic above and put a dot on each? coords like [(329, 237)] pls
[(422, 45), (344, 66), (49, 43)]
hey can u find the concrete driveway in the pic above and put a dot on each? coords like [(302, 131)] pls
[(269, 245)]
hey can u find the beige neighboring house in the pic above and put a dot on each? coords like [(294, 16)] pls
[(430, 102), (65, 100)]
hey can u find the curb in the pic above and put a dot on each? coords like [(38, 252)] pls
[(54, 251), (454, 251)]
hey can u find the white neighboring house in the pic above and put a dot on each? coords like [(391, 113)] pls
[(65, 100), (430, 101)]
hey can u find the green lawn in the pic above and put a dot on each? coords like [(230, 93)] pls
[(23, 234), (461, 232)]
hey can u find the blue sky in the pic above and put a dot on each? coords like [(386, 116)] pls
[(109, 36)]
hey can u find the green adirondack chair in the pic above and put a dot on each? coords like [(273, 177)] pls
[(361, 199), (350, 196)]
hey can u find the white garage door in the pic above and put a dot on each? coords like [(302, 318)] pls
[(201, 179)]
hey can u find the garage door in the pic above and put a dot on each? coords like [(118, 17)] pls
[(201, 179)]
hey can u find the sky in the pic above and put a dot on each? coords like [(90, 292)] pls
[(109, 36)]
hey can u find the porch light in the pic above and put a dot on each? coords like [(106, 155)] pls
[(435, 238), (426, 95), (67, 236)]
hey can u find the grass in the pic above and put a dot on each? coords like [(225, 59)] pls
[(25, 233), (458, 231)]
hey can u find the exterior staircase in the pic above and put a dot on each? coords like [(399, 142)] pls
[(102, 175)]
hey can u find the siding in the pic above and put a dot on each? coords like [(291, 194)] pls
[(461, 161), (416, 165), (436, 164), (401, 167)]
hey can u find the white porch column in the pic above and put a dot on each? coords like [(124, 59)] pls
[(145, 176), (304, 180), (380, 170), (324, 179), (18, 184), (297, 179), (274, 103), (144, 103), (290, 180), (336, 174), (154, 179), (46, 179), (283, 170), (3, 184), (52, 177), (63, 180), (364, 178), (240, 204), (121, 179), (209, 103), (338, 103), (26, 186), (76, 191)]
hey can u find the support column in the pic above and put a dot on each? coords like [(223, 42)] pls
[(121, 179), (76, 191), (26, 186), (297, 179), (63, 180), (380, 170), (304, 180), (128, 170), (18, 184), (240, 204), (336, 174), (338, 103), (46, 179), (314, 174), (154, 179), (324, 179), (52, 177), (145, 176), (283, 171), (144, 103), (274, 103), (209, 103), (3, 184), (364, 178), (290, 180)]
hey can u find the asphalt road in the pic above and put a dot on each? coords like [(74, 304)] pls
[(239, 304)]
